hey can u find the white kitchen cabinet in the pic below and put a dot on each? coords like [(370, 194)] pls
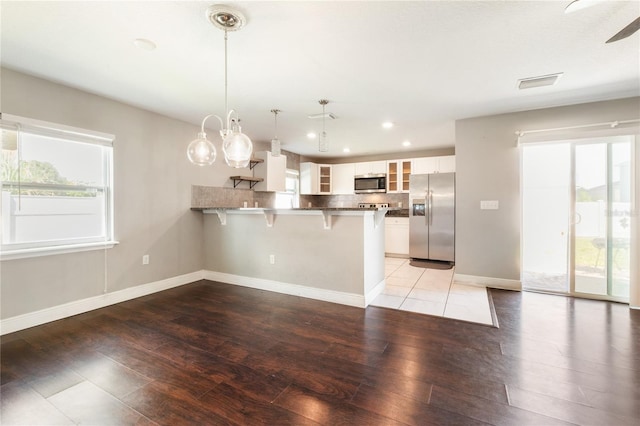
[(315, 178), (308, 178), (370, 168), (447, 164), (398, 172), (396, 236), (342, 178), (426, 165), (273, 170)]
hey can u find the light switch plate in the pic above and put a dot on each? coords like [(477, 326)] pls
[(489, 205)]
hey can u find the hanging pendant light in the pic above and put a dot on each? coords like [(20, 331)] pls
[(275, 142), (323, 143), (201, 151), (236, 146)]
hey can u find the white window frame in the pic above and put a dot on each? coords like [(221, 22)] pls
[(69, 245), (294, 193)]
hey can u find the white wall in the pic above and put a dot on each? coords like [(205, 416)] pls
[(153, 181), (487, 168)]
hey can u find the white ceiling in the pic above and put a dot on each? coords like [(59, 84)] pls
[(420, 64)]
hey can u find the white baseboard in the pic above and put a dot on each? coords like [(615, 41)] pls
[(500, 283), (21, 322), (375, 292), (350, 299), (32, 319)]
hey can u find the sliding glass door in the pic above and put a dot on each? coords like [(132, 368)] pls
[(546, 202), (602, 234), (577, 200)]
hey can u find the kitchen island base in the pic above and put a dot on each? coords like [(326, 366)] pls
[(334, 255)]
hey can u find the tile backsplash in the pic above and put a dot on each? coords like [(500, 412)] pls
[(209, 196), (392, 199)]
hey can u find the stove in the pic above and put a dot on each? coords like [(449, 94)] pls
[(373, 205)]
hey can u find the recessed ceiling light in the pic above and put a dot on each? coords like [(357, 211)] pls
[(144, 44), (387, 125), (540, 81), (311, 135), (406, 143), (347, 150)]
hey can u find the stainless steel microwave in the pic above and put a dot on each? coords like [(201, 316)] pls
[(365, 184)]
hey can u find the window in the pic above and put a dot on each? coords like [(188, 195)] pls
[(289, 198), (56, 188)]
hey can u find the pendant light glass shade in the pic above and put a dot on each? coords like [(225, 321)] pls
[(275, 147), (201, 151), (323, 143), (275, 142), (237, 148)]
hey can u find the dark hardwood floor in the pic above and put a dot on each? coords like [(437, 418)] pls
[(215, 354)]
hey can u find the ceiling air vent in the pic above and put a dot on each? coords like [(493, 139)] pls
[(542, 80)]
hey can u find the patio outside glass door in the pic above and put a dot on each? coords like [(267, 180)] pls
[(576, 217), (601, 237)]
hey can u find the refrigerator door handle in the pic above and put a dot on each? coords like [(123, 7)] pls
[(430, 203)]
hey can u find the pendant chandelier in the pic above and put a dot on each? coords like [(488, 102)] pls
[(275, 142), (236, 146), (323, 143)]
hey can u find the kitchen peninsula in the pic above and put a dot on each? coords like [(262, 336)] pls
[(330, 254)]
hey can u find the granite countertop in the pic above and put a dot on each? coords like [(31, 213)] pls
[(398, 212), (339, 209)]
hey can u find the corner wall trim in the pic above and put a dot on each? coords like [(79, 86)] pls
[(350, 299), (31, 319), (500, 283), (375, 292)]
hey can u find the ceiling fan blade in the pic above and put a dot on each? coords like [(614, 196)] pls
[(626, 31), (576, 5)]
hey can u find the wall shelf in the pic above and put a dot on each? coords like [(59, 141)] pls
[(254, 161), (252, 180)]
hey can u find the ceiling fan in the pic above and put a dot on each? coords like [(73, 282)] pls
[(634, 26)]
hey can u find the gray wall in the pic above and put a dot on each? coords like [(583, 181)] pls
[(305, 253), (488, 168), (153, 181)]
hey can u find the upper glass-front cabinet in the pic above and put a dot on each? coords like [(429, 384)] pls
[(325, 179), (398, 172)]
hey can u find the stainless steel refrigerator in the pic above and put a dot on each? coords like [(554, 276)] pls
[(432, 216)]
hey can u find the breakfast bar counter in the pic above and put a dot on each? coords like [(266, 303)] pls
[(331, 254)]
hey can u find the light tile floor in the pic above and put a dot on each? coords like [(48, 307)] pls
[(432, 292)]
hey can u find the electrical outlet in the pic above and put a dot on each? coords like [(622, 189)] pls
[(145, 259), (272, 259), (489, 205)]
